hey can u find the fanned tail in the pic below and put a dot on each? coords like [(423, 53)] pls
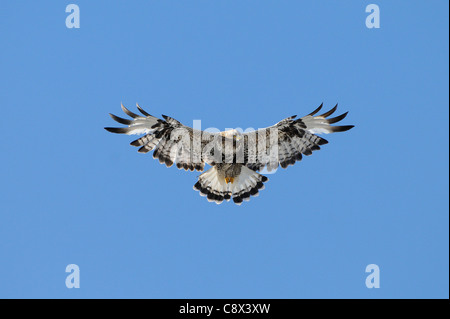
[(248, 183)]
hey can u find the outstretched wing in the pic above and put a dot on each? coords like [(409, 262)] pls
[(287, 141), (171, 141)]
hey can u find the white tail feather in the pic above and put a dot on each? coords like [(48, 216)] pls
[(212, 185)]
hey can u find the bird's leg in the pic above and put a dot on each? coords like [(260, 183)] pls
[(229, 180)]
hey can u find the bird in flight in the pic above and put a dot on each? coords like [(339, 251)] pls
[(235, 157)]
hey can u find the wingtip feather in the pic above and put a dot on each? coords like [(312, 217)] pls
[(117, 130), (316, 110), (120, 120), (128, 112), (326, 114), (337, 118), (142, 110), (342, 128)]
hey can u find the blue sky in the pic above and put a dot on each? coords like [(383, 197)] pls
[(72, 193)]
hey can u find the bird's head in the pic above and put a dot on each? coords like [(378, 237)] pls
[(234, 134)]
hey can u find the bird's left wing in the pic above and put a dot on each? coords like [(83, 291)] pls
[(171, 141), (285, 142)]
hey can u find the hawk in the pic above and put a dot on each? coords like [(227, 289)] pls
[(236, 157)]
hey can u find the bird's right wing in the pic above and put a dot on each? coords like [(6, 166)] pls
[(171, 141)]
